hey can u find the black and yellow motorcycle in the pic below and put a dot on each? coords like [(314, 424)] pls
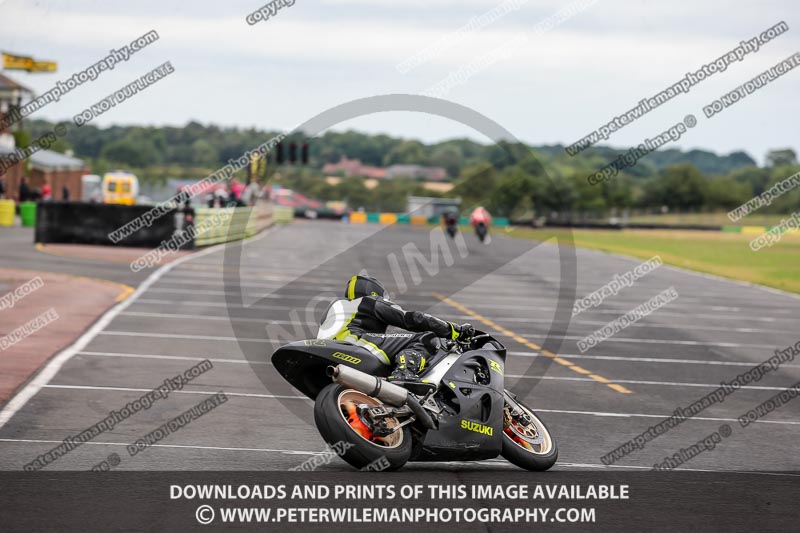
[(460, 412)]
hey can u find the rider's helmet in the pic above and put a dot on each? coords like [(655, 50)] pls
[(360, 286)]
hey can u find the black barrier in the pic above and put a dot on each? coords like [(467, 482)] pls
[(92, 223)]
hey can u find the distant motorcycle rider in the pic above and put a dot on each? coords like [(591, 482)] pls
[(480, 216), (363, 317)]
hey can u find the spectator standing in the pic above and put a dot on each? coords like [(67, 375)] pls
[(24, 190), (47, 192), (250, 193)]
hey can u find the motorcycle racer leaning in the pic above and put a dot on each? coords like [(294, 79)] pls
[(362, 317)]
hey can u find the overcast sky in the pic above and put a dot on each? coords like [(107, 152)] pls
[(553, 88)]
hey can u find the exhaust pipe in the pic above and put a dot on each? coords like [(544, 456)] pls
[(370, 385), (380, 389)]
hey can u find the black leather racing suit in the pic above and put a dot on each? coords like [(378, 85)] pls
[(372, 315)]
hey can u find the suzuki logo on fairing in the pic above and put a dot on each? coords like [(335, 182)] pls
[(476, 427)]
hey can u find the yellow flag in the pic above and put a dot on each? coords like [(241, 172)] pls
[(12, 62)]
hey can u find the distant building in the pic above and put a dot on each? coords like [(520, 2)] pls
[(432, 207), (45, 166), (416, 172), (11, 94), (354, 167)]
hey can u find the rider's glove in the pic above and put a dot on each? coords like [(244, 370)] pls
[(465, 332)]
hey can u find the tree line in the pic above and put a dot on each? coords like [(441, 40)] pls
[(512, 179)]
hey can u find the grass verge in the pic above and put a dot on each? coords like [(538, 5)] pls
[(722, 254)]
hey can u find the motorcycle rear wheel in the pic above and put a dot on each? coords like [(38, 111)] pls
[(337, 420), (529, 446)]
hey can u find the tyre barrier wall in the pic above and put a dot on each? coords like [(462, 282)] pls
[(414, 220), (226, 224), (92, 223)]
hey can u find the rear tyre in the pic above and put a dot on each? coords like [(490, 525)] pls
[(337, 420), (480, 229), (529, 446)]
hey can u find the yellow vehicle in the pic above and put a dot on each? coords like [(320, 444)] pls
[(120, 188)]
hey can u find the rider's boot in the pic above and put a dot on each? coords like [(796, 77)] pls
[(406, 371)]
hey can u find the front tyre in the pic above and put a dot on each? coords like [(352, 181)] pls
[(527, 442), (338, 421)]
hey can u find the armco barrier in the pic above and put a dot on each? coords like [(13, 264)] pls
[(282, 214), (7, 212), (226, 224), (91, 223)]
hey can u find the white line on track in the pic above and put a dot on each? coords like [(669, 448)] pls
[(649, 359), (495, 285), (661, 312), (240, 361), (522, 332), (264, 321), (174, 357), (641, 415), (491, 462), (517, 354), (308, 292), (51, 369), (173, 303), (644, 382), (636, 467), (203, 392), (182, 446), (183, 336), (55, 364), (566, 337)]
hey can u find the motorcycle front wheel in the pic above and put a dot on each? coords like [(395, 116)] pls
[(340, 424), (527, 442)]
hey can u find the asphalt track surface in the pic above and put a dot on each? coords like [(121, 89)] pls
[(187, 312)]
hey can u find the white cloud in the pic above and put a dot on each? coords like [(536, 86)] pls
[(318, 54)]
